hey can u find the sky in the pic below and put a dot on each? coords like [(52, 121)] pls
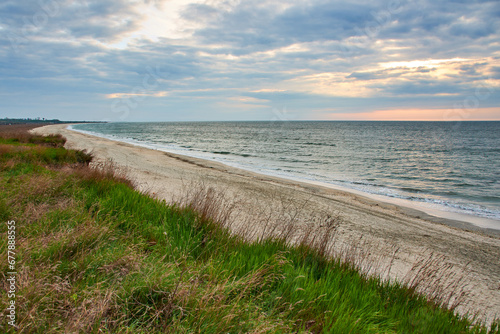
[(207, 60)]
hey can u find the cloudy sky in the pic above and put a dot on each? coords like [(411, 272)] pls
[(170, 60)]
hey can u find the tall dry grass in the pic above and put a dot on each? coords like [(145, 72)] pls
[(107, 170), (443, 283), (20, 133)]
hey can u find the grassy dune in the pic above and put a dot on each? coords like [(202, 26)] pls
[(96, 256)]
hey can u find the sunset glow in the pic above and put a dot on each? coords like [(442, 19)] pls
[(485, 114)]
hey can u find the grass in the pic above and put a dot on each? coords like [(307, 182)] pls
[(93, 255), (19, 133)]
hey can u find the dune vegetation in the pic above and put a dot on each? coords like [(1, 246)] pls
[(94, 255)]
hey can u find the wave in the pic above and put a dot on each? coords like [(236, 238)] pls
[(319, 144), (244, 155)]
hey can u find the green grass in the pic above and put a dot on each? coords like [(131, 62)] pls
[(96, 256)]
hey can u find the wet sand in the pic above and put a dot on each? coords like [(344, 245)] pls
[(390, 238)]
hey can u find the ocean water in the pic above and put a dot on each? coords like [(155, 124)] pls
[(452, 165)]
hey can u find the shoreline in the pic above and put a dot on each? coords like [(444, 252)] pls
[(415, 209), (392, 236)]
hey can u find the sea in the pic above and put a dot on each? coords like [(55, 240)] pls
[(452, 166)]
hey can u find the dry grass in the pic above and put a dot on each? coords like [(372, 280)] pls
[(15, 130), (20, 133), (102, 171), (39, 296), (210, 203), (4, 149), (96, 305), (443, 283)]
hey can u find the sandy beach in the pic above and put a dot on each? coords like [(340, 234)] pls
[(391, 239)]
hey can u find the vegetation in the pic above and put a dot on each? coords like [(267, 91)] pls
[(36, 121), (94, 255)]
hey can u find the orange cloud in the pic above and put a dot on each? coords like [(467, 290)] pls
[(127, 95)]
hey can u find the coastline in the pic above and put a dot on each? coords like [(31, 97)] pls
[(383, 226), (427, 211)]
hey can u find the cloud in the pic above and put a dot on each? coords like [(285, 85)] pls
[(420, 115), (212, 56), (141, 94), (101, 20), (253, 25)]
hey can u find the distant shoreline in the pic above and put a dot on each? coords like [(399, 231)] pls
[(40, 122)]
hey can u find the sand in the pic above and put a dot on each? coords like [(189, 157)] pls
[(389, 239)]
